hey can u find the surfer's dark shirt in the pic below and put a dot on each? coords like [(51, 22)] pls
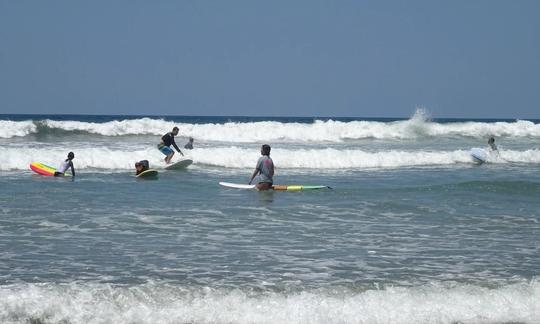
[(168, 140)]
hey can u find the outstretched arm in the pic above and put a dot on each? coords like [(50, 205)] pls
[(176, 147)]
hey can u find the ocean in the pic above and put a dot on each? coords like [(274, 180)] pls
[(411, 231)]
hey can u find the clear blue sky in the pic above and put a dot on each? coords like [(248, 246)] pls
[(464, 58)]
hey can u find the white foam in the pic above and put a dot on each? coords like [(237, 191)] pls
[(329, 158), (9, 129), (519, 128), (318, 131), (96, 158), (17, 158), (153, 303), (139, 126)]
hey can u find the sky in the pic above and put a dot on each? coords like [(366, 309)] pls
[(456, 59)]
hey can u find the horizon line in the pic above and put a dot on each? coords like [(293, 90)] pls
[(246, 116)]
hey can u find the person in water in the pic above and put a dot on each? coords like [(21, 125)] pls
[(141, 166), (189, 144), (264, 168), (492, 146), (166, 141), (66, 164)]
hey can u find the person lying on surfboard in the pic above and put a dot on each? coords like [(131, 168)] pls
[(141, 166), (166, 141), (264, 168), (67, 163)]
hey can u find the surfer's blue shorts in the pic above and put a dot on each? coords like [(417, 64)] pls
[(165, 149)]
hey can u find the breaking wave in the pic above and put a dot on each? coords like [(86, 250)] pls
[(417, 126), (9, 129), (159, 303), (17, 158)]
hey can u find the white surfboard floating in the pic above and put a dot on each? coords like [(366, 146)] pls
[(479, 155), (237, 185)]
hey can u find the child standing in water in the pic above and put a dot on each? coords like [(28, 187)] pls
[(491, 143), (189, 144), (264, 167), (67, 163), (492, 148)]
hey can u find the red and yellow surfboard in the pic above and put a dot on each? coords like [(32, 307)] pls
[(42, 169)]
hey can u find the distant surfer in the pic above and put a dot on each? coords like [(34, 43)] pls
[(166, 141), (189, 144), (66, 164), (141, 166), (492, 146), (264, 168)]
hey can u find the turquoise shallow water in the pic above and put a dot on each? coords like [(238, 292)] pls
[(440, 242)]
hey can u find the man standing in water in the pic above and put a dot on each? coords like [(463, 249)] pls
[(166, 141), (264, 167)]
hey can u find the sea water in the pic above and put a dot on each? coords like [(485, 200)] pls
[(412, 230)]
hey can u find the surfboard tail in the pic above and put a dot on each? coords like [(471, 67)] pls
[(42, 169), (298, 187)]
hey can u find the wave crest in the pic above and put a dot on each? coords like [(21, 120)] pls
[(417, 126), (16, 158), (9, 129)]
